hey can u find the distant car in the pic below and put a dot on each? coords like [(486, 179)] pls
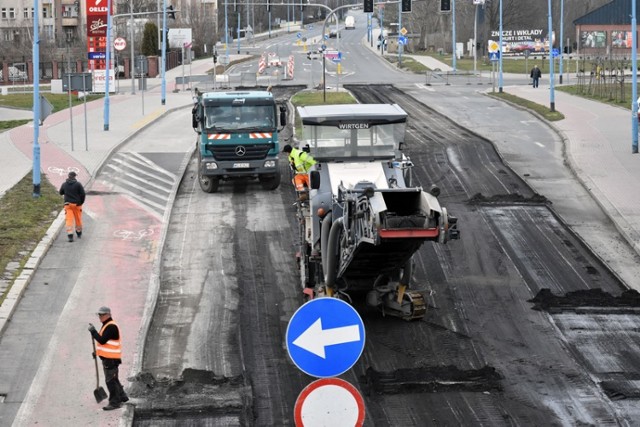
[(274, 61), (15, 74), (334, 33)]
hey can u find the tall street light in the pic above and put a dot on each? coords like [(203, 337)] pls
[(163, 95), (500, 58), (634, 80), (453, 33), (552, 101), (36, 101), (108, 70), (131, 35)]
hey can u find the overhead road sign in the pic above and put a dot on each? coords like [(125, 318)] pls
[(329, 402), (325, 337), (333, 55)]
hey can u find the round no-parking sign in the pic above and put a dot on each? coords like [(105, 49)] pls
[(119, 43), (329, 402)]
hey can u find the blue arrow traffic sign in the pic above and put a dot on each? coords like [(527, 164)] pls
[(402, 40), (325, 337), (299, 35)]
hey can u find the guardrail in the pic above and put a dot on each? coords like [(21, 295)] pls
[(205, 82), (447, 78)]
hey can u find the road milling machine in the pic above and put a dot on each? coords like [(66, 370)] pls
[(362, 220)]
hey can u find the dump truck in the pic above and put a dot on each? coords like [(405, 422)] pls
[(237, 137), (361, 221)]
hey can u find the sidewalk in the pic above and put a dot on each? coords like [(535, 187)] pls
[(597, 138), (598, 149), (126, 120)]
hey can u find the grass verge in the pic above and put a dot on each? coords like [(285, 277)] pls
[(544, 111), (24, 220), (10, 124), (60, 101), (24, 101)]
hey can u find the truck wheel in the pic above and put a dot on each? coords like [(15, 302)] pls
[(270, 182), (209, 184)]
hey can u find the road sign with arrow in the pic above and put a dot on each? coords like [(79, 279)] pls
[(325, 337)]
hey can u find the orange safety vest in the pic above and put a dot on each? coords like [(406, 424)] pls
[(112, 349)]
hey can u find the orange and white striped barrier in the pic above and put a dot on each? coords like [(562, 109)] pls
[(262, 64), (290, 67)]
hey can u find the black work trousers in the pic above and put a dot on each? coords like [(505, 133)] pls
[(116, 391)]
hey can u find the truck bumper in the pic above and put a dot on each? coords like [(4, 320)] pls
[(231, 169)]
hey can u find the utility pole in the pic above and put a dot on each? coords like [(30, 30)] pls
[(132, 64)]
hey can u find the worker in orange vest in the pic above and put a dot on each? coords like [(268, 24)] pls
[(301, 163), (74, 195), (109, 350)]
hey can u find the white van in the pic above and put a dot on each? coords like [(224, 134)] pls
[(349, 23)]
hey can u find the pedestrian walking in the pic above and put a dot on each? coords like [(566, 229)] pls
[(74, 195), (300, 162), (109, 350), (535, 75)]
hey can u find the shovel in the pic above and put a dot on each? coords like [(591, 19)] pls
[(99, 392)]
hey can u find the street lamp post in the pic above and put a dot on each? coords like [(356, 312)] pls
[(108, 69), (500, 50), (453, 34), (552, 101), (163, 68), (634, 80), (561, 36), (36, 101), (69, 39), (132, 62)]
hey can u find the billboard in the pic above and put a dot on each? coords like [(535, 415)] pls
[(593, 39), (96, 32), (179, 37), (621, 39), (523, 41)]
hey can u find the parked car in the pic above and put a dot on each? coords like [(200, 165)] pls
[(334, 33), (15, 74)]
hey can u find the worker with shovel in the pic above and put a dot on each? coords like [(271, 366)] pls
[(109, 349)]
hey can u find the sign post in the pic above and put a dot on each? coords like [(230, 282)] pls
[(329, 402), (325, 338)]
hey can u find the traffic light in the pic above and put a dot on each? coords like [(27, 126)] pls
[(268, 5), (445, 5), (368, 6), (406, 5), (171, 12)]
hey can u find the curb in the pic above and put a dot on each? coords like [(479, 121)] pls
[(20, 284), (600, 199)]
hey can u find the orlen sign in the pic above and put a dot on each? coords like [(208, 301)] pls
[(97, 7)]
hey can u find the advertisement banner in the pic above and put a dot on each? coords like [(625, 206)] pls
[(100, 81), (593, 39), (523, 42), (96, 26), (96, 31), (97, 7)]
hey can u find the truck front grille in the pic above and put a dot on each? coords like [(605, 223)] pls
[(240, 152)]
